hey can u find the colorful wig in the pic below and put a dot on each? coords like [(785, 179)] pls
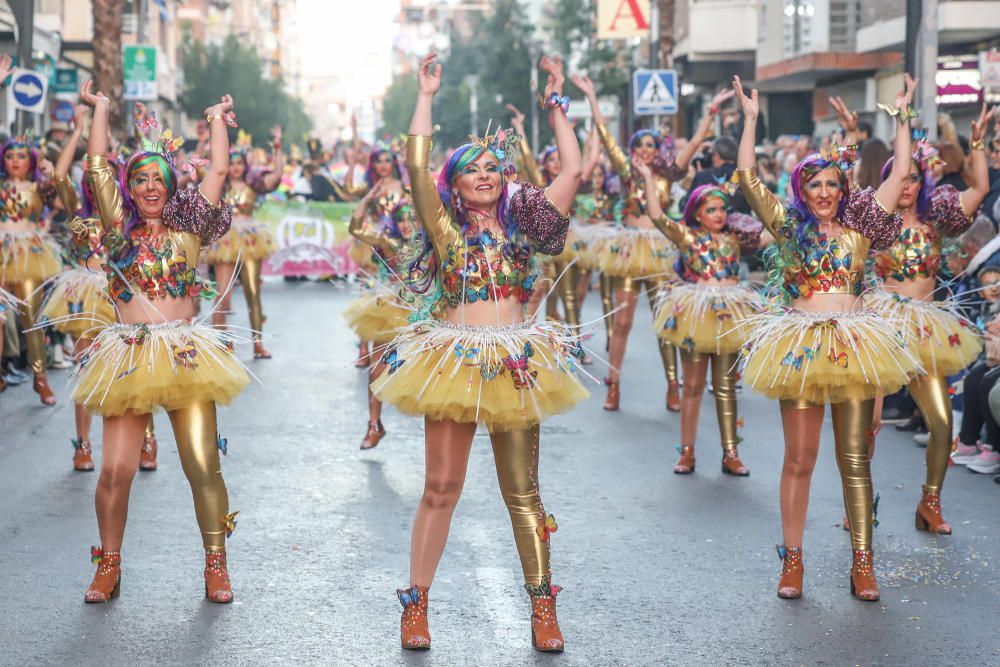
[(699, 196), (804, 172), (665, 153), (137, 162), (19, 142), (927, 185), (545, 156), (463, 156), (370, 176)]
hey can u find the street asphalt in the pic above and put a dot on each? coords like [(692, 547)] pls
[(657, 569)]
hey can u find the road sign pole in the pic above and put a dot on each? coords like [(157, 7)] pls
[(654, 47), (24, 14)]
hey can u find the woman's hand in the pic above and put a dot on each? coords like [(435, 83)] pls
[(586, 86), (516, 119), (981, 124), (429, 75), (6, 66), (79, 116), (276, 134), (848, 119), (904, 98), (642, 169), (750, 105), (224, 106), (90, 98), (554, 66), (721, 98)]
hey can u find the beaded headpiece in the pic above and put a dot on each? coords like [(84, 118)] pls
[(924, 153)]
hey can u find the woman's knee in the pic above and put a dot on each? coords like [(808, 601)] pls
[(441, 493), (116, 475)]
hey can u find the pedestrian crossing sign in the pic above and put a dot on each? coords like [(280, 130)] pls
[(654, 92)]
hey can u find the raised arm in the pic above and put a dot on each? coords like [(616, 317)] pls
[(562, 190), (592, 156), (366, 233), (273, 179), (667, 227), (768, 208), (980, 185), (530, 172), (64, 187), (892, 187), (619, 161), (349, 189), (848, 119), (701, 133), (100, 177), (218, 168)]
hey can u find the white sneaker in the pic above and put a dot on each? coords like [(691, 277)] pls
[(921, 438), (987, 463), (965, 454)]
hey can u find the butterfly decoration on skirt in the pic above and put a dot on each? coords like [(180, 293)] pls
[(838, 358), (793, 361), (392, 360), (222, 444), (518, 367), (229, 522), (954, 340), (185, 356), (75, 307), (547, 528)]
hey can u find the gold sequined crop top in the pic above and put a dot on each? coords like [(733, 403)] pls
[(822, 264), (156, 263), (635, 189), (916, 252), (477, 264), (707, 256), (242, 197), (25, 204)]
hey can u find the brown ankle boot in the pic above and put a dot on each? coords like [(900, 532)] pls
[(413, 631), (614, 397), (863, 584), (929, 514), (545, 633), (147, 457), (260, 352), (674, 396), (108, 578), (83, 455), (685, 464), (790, 581), (41, 387), (218, 588), (374, 435), (731, 464)]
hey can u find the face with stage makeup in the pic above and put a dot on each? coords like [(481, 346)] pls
[(382, 164), (712, 214), (645, 148), (552, 166), (237, 166), (149, 190), (911, 188), (822, 193), (479, 182), (17, 162)]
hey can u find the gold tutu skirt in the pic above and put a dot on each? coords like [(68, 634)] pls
[(571, 250), (704, 318), (361, 254), (9, 301), (592, 239), (507, 377), (247, 238), (825, 357), (638, 253), (141, 367), (943, 340), (28, 256), (77, 303), (376, 317)]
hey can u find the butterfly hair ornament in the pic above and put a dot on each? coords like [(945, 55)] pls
[(502, 144), (153, 138), (843, 156)]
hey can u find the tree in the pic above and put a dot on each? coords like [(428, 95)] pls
[(107, 16), (261, 103)]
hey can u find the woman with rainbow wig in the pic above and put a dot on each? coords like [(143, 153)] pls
[(249, 242), (160, 354), (700, 316), (942, 337), (28, 253), (471, 357), (821, 344), (640, 257)]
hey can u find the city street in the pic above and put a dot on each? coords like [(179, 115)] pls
[(658, 569)]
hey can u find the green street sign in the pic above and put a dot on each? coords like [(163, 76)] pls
[(65, 80), (140, 72)]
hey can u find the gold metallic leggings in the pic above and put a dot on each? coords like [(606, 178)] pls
[(250, 279), (931, 394), (802, 422), (565, 291), (607, 303), (623, 322), (724, 388), (27, 291)]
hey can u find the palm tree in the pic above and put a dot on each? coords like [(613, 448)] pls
[(108, 57)]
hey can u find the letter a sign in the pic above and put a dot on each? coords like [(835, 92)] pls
[(622, 19)]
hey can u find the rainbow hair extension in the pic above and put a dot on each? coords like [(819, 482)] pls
[(137, 162), (699, 196)]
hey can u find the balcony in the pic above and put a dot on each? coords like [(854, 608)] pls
[(718, 29)]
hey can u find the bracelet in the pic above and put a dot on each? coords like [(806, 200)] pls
[(977, 145), (211, 118), (555, 102), (903, 115), (714, 109)]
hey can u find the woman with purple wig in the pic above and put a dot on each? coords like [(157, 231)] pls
[(475, 358), (937, 331), (700, 317), (822, 344), (160, 353), (249, 242), (640, 257)]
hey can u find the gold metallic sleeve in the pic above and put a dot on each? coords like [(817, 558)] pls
[(619, 161), (674, 231), (433, 215), (67, 194), (104, 188), (532, 172), (768, 208), (362, 231)]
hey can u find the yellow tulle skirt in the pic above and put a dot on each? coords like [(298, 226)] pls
[(826, 357), (141, 367), (77, 303), (25, 256), (376, 317), (592, 239), (638, 253), (506, 377), (8, 301), (943, 340), (247, 239), (704, 318), (361, 254), (571, 250)]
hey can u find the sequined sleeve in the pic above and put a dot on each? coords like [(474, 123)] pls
[(768, 208), (189, 211), (674, 231), (539, 219), (433, 215), (747, 230), (946, 211), (532, 173), (617, 157), (104, 189), (675, 172), (67, 194), (865, 214)]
